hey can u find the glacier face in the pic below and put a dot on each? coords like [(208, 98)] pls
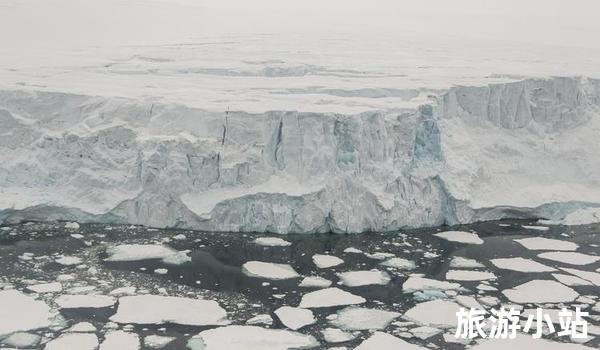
[(523, 149)]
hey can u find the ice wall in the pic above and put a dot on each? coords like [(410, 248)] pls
[(524, 149)]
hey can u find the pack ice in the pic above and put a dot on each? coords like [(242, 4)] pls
[(466, 154)]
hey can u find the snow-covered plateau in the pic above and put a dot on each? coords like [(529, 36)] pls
[(521, 149)]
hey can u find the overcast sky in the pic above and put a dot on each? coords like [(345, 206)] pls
[(57, 23)]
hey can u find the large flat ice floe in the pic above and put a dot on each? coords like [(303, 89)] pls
[(21, 312), (540, 291), (521, 265), (250, 338), (460, 237), (436, 156), (380, 340), (269, 270), (359, 318), (330, 297), (435, 313), (134, 252), (542, 243), (156, 309)]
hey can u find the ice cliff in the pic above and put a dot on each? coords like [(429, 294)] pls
[(524, 149)]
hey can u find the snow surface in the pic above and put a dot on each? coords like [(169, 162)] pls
[(250, 338), (21, 312), (329, 297), (269, 270), (155, 309)]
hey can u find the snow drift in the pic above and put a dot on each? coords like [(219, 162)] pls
[(523, 149)]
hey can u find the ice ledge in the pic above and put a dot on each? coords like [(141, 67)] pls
[(524, 149)]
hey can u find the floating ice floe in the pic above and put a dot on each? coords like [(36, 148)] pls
[(460, 237), (364, 278), (122, 291), (51, 287), (161, 271), (326, 261), (468, 302), (352, 250), (68, 260), (157, 341), (571, 258), (379, 255), (521, 265), (22, 340), (435, 313), (459, 262), (265, 319), (72, 341), (72, 225), (399, 263), (540, 291), (272, 242), (75, 301), (468, 275), (82, 327), (571, 280), (136, 252), (315, 282), (330, 297), (526, 341), (158, 309), (120, 340), (415, 283), (360, 318), (541, 243), (425, 332), (20, 312), (593, 277), (535, 227), (334, 335), (295, 318), (250, 338), (269, 270), (380, 341)]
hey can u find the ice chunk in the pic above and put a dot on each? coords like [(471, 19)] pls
[(21, 312), (74, 301), (329, 297), (414, 283), (460, 237), (535, 228), (68, 260), (459, 262), (540, 291), (250, 338), (260, 319), (157, 341), (82, 327), (541, 243), (334, 335), (521, 265), (525, 341), (325, 261), (123, 291), (269, 270), (381, 341), (72, 226), (295, 318), (352, 250), (425, 332), (399, 263), (468, 302), (571, 280), (315, 282), (71, 341), (51, 287), (22, 340), (135, 252), (379, 255), (272, 242), (467, 275), (571, 258), (360, 318), (435, 313), (156, 309), (120, 340), (593, 277), (364, 278)]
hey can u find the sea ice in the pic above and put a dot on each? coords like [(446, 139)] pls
[(157, 309), (272, 242), (593, 277), (269, 270), (157, 341), (72, 341), (425, 332), (435, 313), (265, 319), (74, 301), (22, 340), (51, 287), (360, 318), (68, 260), (82, 327), (521, 265), (571, 258), (326, 261), (315, 282), (120, 340), (334, 335), (399, 263), (381, 341), (329, 297), (459, 262), (468, 275), (250, 338), (352, 250), (295, 318), (135, 252), (535, 228), (541, 243), (525, 341), (540, 291), (414, 283), (364, 278), (460, 237)]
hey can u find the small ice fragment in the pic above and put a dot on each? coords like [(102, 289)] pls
[(326, 261)]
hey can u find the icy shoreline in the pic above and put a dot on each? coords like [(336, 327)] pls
[(517, 150)]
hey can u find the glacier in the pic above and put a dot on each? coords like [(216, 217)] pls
[(521, 149)]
